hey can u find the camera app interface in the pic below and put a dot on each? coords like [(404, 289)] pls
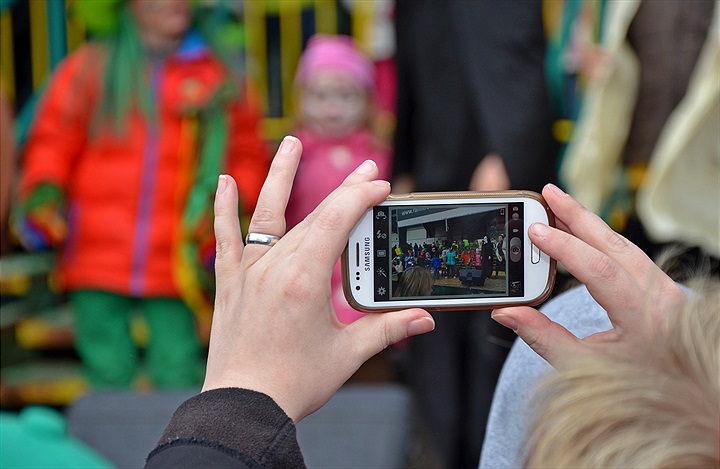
[(448, 251)]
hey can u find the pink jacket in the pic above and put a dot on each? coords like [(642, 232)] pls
[(323, 166)]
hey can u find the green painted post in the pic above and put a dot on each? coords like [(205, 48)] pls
[(57, 34)]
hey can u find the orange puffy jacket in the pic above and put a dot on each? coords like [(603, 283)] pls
[(126, 193)]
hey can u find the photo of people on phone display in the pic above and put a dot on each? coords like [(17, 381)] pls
[(449, 251)]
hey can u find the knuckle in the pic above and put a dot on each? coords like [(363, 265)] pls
[(388, 336), (296, 289), (564, 242), (220, 212), (603, 267), (222, 246), (535, 342), (310, 218), (329, 219), (615, 241), (263, 216), (221, 298)]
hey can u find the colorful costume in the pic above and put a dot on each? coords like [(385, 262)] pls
[(139, 197)]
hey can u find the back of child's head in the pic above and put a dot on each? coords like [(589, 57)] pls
[(656, 404), (415, 281)]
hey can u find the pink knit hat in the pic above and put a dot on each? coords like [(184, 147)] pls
[(329, 52)]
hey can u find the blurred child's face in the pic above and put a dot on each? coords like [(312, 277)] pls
[(168, 19), (333, 105)]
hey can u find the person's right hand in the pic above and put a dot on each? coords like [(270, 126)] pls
[(274, 328), (403, 184), (40, 223), (490, 175), (637, 295)]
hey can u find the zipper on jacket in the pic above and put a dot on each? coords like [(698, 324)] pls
[(148, 181)]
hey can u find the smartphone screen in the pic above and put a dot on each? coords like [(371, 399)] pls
[(466, 248), (447, 253)]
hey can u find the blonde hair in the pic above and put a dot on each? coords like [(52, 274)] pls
[(651, 405)]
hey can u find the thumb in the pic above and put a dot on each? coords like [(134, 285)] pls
[(228, 237), (547, 338), (375, 332)]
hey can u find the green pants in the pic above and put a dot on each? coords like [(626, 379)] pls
[(109, 354)]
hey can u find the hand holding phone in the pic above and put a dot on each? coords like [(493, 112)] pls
[(448, 251), (274, 329), (636, 294)]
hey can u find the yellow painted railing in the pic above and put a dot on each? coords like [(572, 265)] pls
[(7, 62)]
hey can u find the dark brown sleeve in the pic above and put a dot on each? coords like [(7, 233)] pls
[(229, 427)]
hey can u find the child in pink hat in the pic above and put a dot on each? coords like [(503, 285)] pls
[(334, 87)]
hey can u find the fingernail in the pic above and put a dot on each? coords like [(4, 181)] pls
[(365, 167), (287, 145), (222, 184), (556, 189), (381, 183), (420, 326), (540, 230), (506, 321)]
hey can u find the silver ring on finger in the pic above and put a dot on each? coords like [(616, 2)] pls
[(260, 238)]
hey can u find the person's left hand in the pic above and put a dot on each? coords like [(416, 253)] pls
[(636, 294), (274, 329)]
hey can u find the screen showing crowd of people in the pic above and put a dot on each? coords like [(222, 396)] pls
[(452, 263), (147, 170)]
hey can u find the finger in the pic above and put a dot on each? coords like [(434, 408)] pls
[(548, 339), (584, 224), (269, 215), (228, 236), (559, 224), (373, 333), (367, 171), (327, 232), (606, 280)]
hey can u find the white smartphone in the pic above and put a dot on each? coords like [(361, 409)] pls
[(448, 251)]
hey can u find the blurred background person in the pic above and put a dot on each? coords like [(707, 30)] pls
[(335, 93), (671, 197), (645, 152), (473, 114), (119, 172)]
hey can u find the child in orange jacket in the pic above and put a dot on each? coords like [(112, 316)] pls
[(120, 170)]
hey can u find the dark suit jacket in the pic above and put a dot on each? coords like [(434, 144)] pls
[(471, 81)]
